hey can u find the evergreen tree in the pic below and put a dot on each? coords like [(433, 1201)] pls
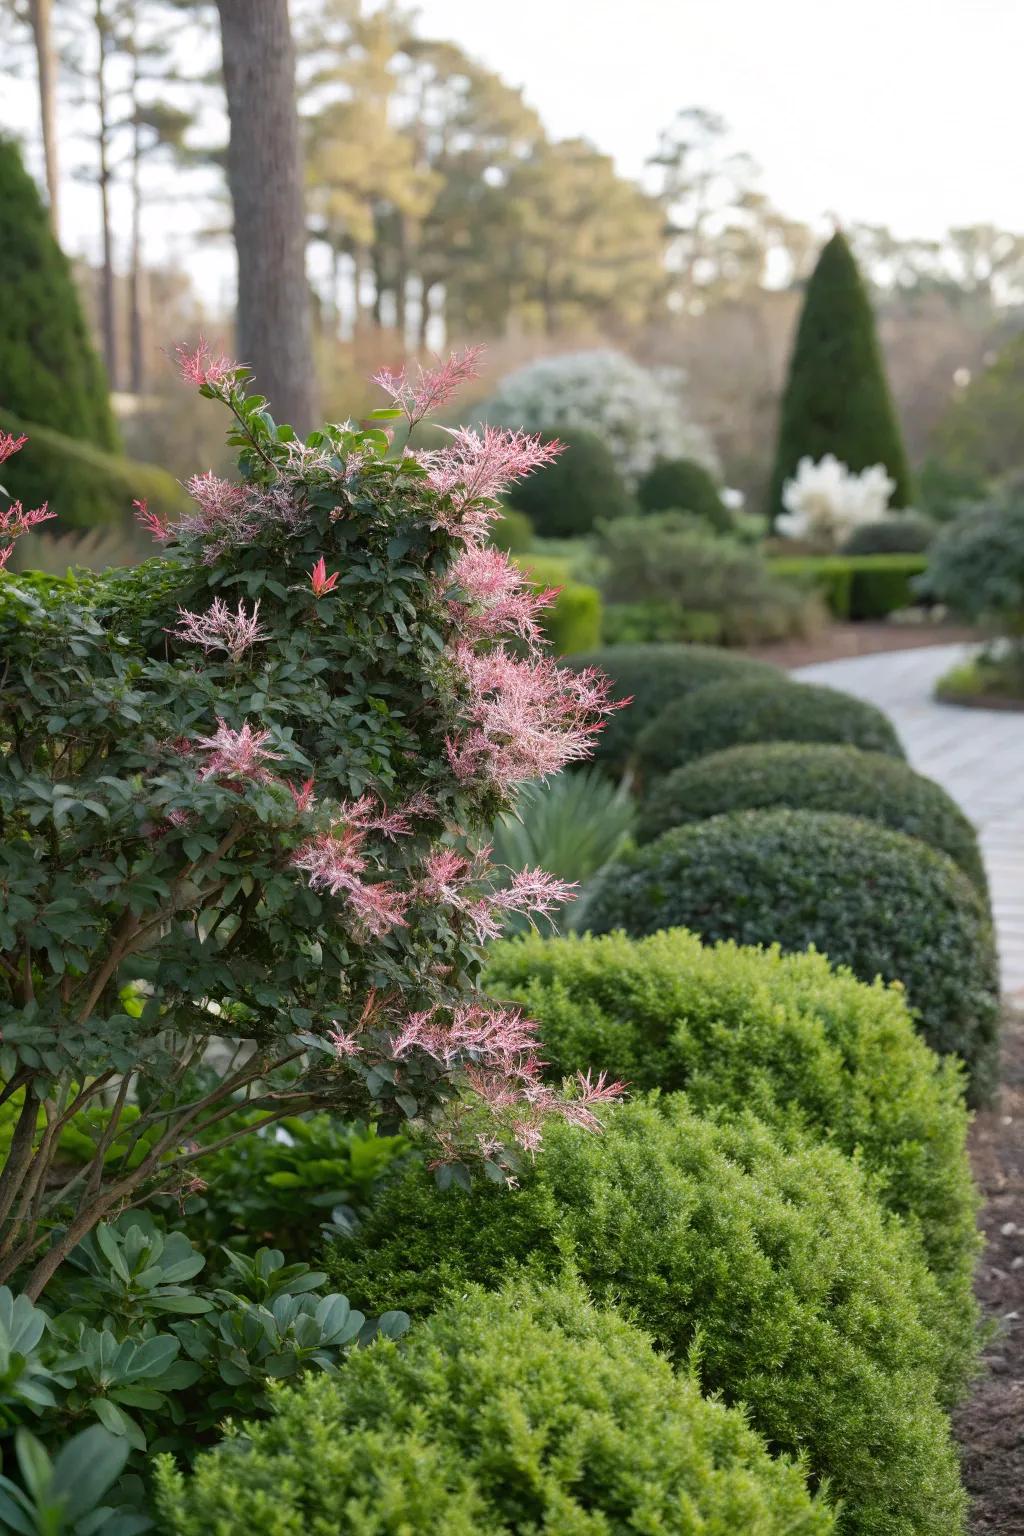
[(837, 399), (49, 373)]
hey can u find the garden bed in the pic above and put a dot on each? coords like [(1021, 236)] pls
[(840, 641), (989, 1426)]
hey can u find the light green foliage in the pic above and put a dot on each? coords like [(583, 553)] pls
[(836, 398), (581, 488), (857, 586), (650, 676), (512, 531), (684, 485), (799, 1044), (526, 1411), (880, 902), (772, 1264), (573, 622), (736, 713), (50, 373), (669, 560), (814, 777)]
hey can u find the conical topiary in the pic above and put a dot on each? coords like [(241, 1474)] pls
[(837, 399), (50, 374)]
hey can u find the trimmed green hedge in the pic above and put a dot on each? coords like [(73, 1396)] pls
[(814, 777), (651, 676), (731, 714), (878, 901), (529, 1410), (799, 1044), (683, 485), (573, 622), (771, 1266), (856, 586), (906, 534), (84, 485)]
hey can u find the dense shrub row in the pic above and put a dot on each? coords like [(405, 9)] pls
[(812, 776), (878, 901), (731, 713), (857, 586)]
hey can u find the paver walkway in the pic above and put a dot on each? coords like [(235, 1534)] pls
[(975, 754)]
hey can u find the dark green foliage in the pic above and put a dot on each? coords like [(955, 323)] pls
[(581, 488), (837, 399), (69, 1493), (512, 531), (525, 1411), (880, 902), (906, 535), (49, 372), (734, 713), (651, 676), (977, 566), (82, 483), (813, 777), (800, 1045), (857, 586), (668, 560), (683, 485), (773, 1262)]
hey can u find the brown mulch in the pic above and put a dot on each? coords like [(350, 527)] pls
[(991, 1425), (839, 641)]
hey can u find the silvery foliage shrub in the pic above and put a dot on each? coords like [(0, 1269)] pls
[(638, 412)]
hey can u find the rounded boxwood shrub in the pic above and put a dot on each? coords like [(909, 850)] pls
[(512, 531), (771, 1267), (582, 487), (683, 485), (910, 534), (815, 777), (651, 676), (801, 1045), (524, 1411), (733, 712), (878, 901)]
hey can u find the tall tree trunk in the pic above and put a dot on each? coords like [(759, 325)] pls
[(108, 319), (41, 16), (266, 180), (137, 278)]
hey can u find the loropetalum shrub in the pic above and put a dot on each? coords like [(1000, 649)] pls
[(772, 1266), (525, 1410), (229, 784), (878, 901), (637, 412), (798, 1043), (810, 776), (647, 677), (736, 713)]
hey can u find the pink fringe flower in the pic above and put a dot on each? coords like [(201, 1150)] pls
[(201, 367), (503, 603), (237, 754), (431, 387), (14, 521), (153, 522), (478, 466), (221, 630), (345, 1044), (303, 796), (10, 444), (334, 862), (319, 580)]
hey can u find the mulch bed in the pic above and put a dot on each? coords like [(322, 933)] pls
[(991, 1425), (840, 641)]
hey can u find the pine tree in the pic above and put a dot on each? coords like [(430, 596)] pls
[(49, 373), (837, 399)]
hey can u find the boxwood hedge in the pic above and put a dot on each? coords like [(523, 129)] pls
[(525, 1411), (878, 901), (735, 712), (772, 1268), (814, 777), (801, 1045), (652, 676)]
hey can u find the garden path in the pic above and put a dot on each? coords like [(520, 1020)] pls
[(975, 754)]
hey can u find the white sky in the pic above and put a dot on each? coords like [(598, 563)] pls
[(897, 112)]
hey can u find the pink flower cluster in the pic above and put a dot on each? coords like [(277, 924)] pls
[(237, 754), (449, 875), (335, 862), (431, 387), (500, 601), (527, 717), (473, 470), (202, 367), (218, 629), (14, 520)]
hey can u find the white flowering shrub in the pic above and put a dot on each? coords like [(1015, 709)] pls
[(638, 412), (828, 501)]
